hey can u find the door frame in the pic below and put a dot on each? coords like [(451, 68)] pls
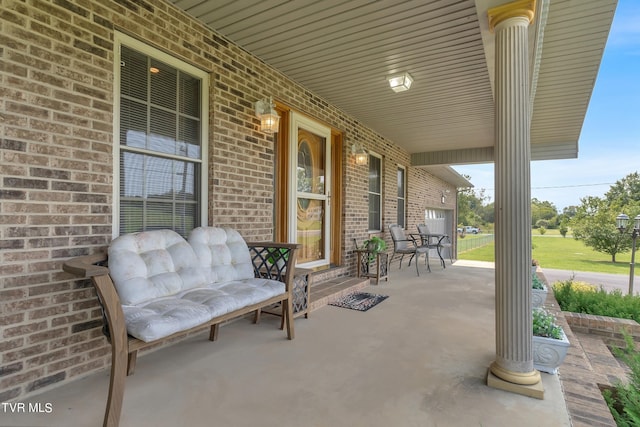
[(300, 121), (283, 183)]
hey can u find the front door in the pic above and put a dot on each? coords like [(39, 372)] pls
[(309, 207)]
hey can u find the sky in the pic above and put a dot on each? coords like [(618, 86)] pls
[(609, 144)]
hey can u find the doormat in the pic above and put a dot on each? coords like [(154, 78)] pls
[(361, 301)]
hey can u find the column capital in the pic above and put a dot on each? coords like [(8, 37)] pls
[(517, 9)]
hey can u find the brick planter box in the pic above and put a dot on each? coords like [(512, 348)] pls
[(609, 328)]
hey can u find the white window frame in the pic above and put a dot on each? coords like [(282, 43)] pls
[(375, 230), (403, 224), (121, 39)]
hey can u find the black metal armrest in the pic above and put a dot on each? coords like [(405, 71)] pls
[(273, 260)]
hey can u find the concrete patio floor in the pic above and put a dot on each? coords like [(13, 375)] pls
[(419, 358)]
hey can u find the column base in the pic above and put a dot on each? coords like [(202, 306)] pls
[(532, 388)]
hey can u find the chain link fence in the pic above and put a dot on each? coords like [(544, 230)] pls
[(474, 242)]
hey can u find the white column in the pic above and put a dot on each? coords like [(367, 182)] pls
[(513, 367)]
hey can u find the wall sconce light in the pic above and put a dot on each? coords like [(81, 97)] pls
[(360, 156), (400, 82), (266, 112), (443, 196)]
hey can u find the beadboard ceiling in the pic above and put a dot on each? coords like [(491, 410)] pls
[(343, 50)]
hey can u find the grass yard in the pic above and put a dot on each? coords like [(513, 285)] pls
[(562, 253)]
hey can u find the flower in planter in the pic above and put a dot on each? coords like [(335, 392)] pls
[(550, 344), (536, 283), (544, 325)]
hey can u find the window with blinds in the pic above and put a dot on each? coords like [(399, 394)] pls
[(160, 145), (375, 193)]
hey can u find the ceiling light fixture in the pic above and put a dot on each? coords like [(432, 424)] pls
[(400, 82)]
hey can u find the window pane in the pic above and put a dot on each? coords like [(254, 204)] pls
[(186, 218), (400, 182), (164, 85), (131, 216), (189, 138), (158, 215), (189, 95), (374, 174), (311, 163), (133, 69), (158, 178), (400, 219), (374, 212), (310, 226), (184, 180), (133, 123), (131, 175)]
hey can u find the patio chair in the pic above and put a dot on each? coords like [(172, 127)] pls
[(404, 245), (435, 241)]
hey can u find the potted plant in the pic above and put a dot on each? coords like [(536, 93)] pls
[(278, 257), (539, 291), (374, 246), (534, 266), (550, 343)]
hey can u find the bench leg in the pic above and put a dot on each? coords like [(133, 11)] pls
[(287, 315), (213, 332), (131, 362), (119, 342), (256, 316)]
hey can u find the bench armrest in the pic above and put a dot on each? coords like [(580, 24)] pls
[(275, 261), (95, 268), (87, 266)]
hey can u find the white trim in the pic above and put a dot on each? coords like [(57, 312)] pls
[(304, 122), (123, 39), (379, 229), (404, 196)]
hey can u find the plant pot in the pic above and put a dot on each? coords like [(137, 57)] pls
[(534, 269), (549, 353), (538, 297)]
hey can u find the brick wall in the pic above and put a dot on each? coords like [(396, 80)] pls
[(56, 167)]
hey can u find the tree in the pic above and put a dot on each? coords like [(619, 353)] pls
[(564, 227), (595, 224), (543, 210), (625, 191), (470, 206), (569, 211)]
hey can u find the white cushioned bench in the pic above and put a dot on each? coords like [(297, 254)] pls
[(155, 285)]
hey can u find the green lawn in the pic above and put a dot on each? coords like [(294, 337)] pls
[(561, 253)]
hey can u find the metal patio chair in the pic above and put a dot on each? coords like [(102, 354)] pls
[(404, 245)]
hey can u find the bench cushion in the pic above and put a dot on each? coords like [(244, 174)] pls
[(167, 285), (153, 264), (162, 317), (222, 253)]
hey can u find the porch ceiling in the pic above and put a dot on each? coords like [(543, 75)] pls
[(344, 50)]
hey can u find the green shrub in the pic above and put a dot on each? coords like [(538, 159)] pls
[(578, 298), (542, 230), (564, 230), (624, 401)]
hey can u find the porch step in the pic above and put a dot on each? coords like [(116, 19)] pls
[(330, 290)]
